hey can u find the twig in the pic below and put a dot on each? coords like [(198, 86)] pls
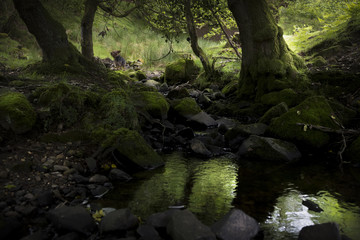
[(330, 130)]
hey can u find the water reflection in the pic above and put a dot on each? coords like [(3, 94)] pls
[(289, 215)]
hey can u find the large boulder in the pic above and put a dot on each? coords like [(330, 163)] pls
[(289, 96), (202, 120), (132, 147), (185, 107), (324, 231), (118, 221), (183, 225), (262, 148), (181, 71), (76, 219), (16, 113), (312, 111), (236, 225), (152, 102)]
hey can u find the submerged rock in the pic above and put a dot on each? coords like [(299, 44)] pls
[(312, 206), (262, 148), (199, 148), (184, 225), (236, 225), (324, 231)]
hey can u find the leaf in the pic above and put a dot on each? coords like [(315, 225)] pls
[(98, 215), (298, 112), (305, 128)]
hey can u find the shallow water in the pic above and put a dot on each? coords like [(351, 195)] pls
[(272, 195)]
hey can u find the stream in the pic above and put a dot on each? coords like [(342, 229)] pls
[(271, 194)]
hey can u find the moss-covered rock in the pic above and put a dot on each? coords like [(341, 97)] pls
[(152, 102), (16, 112), (289, 96), (318, 61), (312, 111), (140, 75), (230, 88), (245, 130), (118, 111), (178, 93), (185, 107), (273, 112), (130, 145), (180, 71)]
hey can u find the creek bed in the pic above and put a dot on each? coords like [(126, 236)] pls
[(271, 194)]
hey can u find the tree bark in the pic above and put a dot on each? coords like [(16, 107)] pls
[(86, 28), (49, 33), (267, 62), (194, 39)]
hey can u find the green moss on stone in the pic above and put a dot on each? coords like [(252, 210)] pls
[(289, 96), (182, 70), (140, 75), (186, 107), (152, 102), (132, 146), (318, 61), (274, 112), (16, 112), (230, 88), (313, 111)]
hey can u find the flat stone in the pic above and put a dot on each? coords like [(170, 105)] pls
[(203, 119)]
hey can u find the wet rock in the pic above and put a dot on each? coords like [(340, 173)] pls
[(202, 120), (261, 148), (227, 123), (312, 206), (91, 164), (187, 133), (79, 178), (98, 191), (118, 221), (199, 148), (204, 100), (245, 130), (69, 236), (60, 168), (45, 198), (147, 232), (39, 235), (161, 219), (325, 231), (70, 219), (236, 225), (117, 174), (184, 225), (97, 178)]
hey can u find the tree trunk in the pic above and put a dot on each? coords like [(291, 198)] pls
[(194, 39), (86, 28), (49, 34), (267, 62)]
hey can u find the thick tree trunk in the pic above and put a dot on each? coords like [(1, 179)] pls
[(267, 63), (194, 39), (86, 28), (49, 33)]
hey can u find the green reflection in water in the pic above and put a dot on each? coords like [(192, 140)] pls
[(214, 185), (289, 215)]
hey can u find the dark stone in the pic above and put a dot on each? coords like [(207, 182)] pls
[(312, 206), (199, 148), (117, 174), (10, 228), (40, 235), (147, 232), (97, 178), (184, 225), (91, 164), (187, 133), (236, 225), (202, 120), (99, 191), (76, 219), (227, 123), (268, 149), (45, 198), (161, 219), (69, 236), (117, 221), (325, 231), (178, 93), (25, 210)]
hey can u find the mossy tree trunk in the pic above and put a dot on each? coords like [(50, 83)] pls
[(267, 64), (86, 28), (194, 39), (51, 36)]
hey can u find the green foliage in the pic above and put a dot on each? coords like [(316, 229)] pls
[(16, 113)]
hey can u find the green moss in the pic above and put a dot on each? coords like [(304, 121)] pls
[(152, 102), (318, 61), (186, 107), (16, 112), (182, 70), (275, 111), (118, 111), (289, 96), (140, 75), (132, 146), (17, 83), (313, 111), (178, 93), (230, 88), (118, 78)]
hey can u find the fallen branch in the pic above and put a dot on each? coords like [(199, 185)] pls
[(329, 130)]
